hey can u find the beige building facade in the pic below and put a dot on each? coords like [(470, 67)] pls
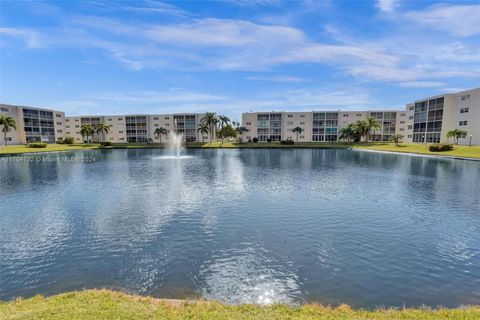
[(318, 126)]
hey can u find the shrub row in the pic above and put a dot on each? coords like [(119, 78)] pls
[(440, 147), (37, 145), (287, 142), (66, 140), (105, 144)]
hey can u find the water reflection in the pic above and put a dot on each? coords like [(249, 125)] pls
[(256, 226)]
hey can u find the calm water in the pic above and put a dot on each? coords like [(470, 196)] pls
[(240, 226)]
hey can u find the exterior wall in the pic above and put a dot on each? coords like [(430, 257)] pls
[(14, 136), (459, 111), (318, 126)]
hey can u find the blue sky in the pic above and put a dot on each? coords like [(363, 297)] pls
[(90, 57)]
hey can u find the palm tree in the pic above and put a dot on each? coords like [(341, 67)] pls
[(224, 120), (372, 124), (8, 123), (202, 129), (349, 132), (241, 130), (86, 130), (159, 132), (456, 134), (361, 127), (396, 139), (297, 130), (210, 120), (102, 129)]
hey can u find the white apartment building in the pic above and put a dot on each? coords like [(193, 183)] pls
[(34, 124), (429, 119), (138, 128), (318, 126)]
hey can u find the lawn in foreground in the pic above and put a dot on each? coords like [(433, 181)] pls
[(105, 304), (19, 149), (458, 151)]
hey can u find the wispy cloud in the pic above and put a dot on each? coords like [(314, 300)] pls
[(274, 78), (459, 20), (387, 5)]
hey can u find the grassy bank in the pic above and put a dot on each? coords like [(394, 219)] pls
[(458, 151), (104, 304), (19, 149)]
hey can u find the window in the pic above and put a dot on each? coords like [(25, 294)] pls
[(59, 123), (466, 97), (120, 119), (155, 118), (402, 114), (120, 131), (410, 118), (409, 136), (302, 116), (167, 124), (59, 131), (58, 115), (359, 114), (463, 110), (155, 125), (345, 115), (248, 123), (302, 122), (109, 119), (4, 109), (167, 118), (411, 108), (290, 115), (410, 127), (76, 120), (401, 129), (68, 132), (77, 126), (67, 120), (402, 122), (462, 123)]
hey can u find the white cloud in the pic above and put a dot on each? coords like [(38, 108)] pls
[(274, 78), (31, 38), (387, 6), (421, 84), (459, 20)]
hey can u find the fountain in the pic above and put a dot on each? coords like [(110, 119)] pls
[(175, 144)]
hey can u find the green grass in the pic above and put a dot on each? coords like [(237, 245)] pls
[(104, 304), (458, 151), (19, 149)]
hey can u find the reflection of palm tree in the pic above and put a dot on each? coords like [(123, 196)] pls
[(297, 130), (86, 131), (159, 132), (202, 129), (7, 124), (210, 120), (103, 129)]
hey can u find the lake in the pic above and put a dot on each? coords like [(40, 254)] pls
[(243, 226)]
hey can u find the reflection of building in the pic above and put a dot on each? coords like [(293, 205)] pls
[(318, 126)]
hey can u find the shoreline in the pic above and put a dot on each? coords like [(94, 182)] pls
[(107, 304)]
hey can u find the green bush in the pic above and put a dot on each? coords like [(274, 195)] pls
[(269, 140), (37, 145), (440, 147), (68, 140), (255, 140), (105, 144), (287, 142)]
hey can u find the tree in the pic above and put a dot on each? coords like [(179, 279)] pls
[(456, 134), (241, 130), (210, 120), (361, 127), (372, 124), (7, 124), (86, 130), (396, 138), (224, 121), (227, 132), (297, 130), (202, 129), (102, 129), (159, 132), (349, 132)]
